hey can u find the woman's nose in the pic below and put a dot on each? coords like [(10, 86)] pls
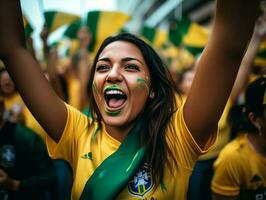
[(114, 75)]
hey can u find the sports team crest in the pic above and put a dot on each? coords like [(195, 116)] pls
[(142, 182), (7, 156)]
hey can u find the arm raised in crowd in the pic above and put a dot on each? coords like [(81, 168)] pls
[(84, 65), (248, 60), (35, 90), (218, 66)]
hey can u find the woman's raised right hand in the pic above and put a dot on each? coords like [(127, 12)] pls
[(11, 23)]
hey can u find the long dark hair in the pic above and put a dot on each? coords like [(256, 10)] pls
[(158, 110)]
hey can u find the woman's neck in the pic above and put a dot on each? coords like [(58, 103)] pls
[(118, 133)]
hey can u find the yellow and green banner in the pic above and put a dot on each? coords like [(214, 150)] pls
[(56, 19), (103, 24), (156, 36), (189, 34)]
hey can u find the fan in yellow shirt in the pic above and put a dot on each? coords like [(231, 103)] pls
[(240, 170), (138, 143)]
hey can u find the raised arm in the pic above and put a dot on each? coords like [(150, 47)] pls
[(51, 59), (84, 65), (218, 66), (35, 90), (248, 60)]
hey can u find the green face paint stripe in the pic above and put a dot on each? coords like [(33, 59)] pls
[(112, 87), (142, 80), (143, 83), (113, 113)]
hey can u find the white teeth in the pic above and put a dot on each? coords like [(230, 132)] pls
[(114, 92)]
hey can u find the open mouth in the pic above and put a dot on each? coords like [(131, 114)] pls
[(114, 98)]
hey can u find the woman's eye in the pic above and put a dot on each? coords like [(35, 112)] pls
[(102, 68), (132, 67)]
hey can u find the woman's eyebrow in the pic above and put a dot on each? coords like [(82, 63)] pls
[(131, 58), (104, 59)]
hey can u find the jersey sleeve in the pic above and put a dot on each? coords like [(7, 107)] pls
[(76, 125), (182, 143)]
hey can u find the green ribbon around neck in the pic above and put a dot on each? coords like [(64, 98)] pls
[(111, 177)]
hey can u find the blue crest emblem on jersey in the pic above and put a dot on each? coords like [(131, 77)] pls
[(7, 156), (142, 182)]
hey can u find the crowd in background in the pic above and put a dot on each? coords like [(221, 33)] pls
[(69, 74)]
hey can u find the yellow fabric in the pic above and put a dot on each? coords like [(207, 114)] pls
[(32, 123), (236, 168), (197, 36), (15, 99), (223, 136), (62, 18), (85, 148), (108, 24)]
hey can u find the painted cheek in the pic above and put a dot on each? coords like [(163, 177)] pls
[(141, 84)]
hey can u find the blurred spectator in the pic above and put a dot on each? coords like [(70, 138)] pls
[(240, 170), (200, 180), (26, 170), (14, 105), (69, 75)]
